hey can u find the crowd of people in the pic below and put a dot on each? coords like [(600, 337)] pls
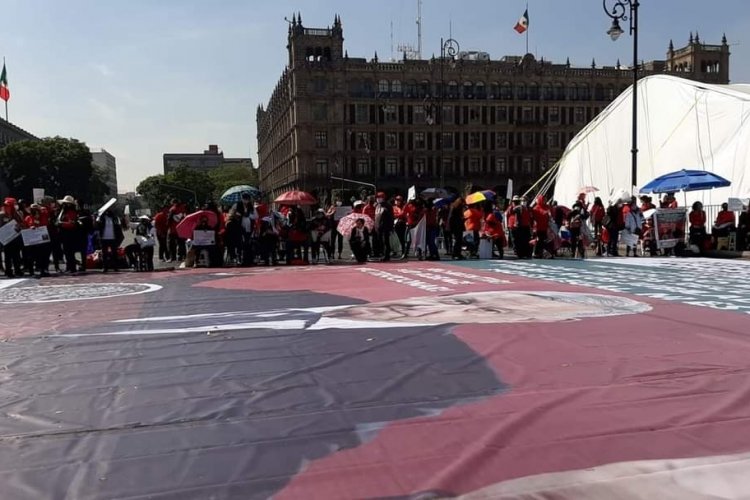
[(250, 232)]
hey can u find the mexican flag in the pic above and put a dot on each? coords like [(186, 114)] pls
[(4, 91), (523, 23)]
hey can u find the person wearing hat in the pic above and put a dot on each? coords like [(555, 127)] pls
[(67, 222), (110, 237), (12, 249)]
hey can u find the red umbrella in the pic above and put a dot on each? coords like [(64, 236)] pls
[(187, 225), (296, 198)]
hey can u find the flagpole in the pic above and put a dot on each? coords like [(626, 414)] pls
[(527, 30), (6, 102)]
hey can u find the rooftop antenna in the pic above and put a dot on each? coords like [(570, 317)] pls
[(392, 55)]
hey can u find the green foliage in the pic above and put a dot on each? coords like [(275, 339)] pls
[(188, 185), (235, 175), (60, 166)]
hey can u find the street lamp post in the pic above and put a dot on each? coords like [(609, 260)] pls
[(448, 48), (627, 10)]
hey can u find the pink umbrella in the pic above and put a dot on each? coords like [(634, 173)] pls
[(588, 189), (347, 223), (187, 225), (296, 198)]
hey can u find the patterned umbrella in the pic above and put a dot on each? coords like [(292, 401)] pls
[(477, 197), (296, 198), (234, 194), (347, 223), (431, 193)]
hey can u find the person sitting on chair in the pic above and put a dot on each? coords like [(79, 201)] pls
[(142, 251), (725, 222)]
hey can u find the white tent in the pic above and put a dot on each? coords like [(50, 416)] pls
[(681, 125)]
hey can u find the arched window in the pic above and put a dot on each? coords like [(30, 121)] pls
[(411, 89), (506, 91), (521, 91), (453, 89), (599, 92), (480, 92), (584, 92), (396, 88), (573, 92), (368, 88), (494, 90), (534, 91), (383, 87), (559, 91), (425, 89), (547, 93), (355, 88), (610, 92), (468, 90)]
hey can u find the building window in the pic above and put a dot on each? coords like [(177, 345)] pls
[(362, 113), (396, 88), (554, 114), (420, 167), (321, 139), (391, 140), (475, 165), (521, 91), (319, 85), (363, 141), (475, 114), (553, 140), (363, 167), (391, 113), (452, 90), (501, 115), (506, 91), (391, 166), (383, 87), (547, 91), (448, 114), (420, 142), (474, 140), (527, 165), (448, 166), (447, 140), (502, 140), (580, 114), (321, 168), (584, 92), (528, 114), (320, 112), (420, 115), (480, 90), (533, 91), (468, 90), (573, 92), (425, 89), (501, 165), (528, 138)]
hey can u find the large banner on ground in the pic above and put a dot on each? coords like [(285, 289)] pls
[(669, 225)]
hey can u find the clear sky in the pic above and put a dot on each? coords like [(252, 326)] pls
[(144, 77)]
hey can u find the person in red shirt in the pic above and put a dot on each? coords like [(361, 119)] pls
[(433, 229), (493, 230), (357, 207), (473, 216), (725, 222), (596, 215), (161, 225), (38, 218), (541, 215), (12, 250), (697, 220), (399, 220), (67, 221), (369, 208)]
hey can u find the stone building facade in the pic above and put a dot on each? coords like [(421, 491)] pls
[(437, 122)]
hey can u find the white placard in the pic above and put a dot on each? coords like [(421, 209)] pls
[(37, 195), (8, 233), (412, 193), (735, 204), (106, 206), (35, 236), (341, 212), (204, 238)]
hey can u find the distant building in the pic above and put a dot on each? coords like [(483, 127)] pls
[(437, 121), (106, 163), (10, 133), (210, 159)]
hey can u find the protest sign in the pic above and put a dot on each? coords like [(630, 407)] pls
[(37, 194), (35, 236), (669, 226), (204, 238), (8, 233)]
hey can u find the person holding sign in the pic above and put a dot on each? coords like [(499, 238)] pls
[(10, 217), (37, 221)]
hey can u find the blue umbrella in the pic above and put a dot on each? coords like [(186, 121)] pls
[(685, 180), (441, 202), (234, 194)]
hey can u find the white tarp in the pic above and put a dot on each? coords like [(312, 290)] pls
[(681, 125)]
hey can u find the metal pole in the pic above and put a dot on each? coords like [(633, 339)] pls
[(634, 33), (440, 111)]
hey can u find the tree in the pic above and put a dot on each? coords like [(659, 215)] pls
[(234, 175), (60, 166), (186, 184)]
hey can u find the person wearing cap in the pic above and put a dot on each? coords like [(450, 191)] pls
[(12, 249), (358, 207), (67, 222), (111, 235)]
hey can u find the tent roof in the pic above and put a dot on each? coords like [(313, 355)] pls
[(681, 124)]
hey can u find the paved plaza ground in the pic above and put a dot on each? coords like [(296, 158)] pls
[(482, 379)]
